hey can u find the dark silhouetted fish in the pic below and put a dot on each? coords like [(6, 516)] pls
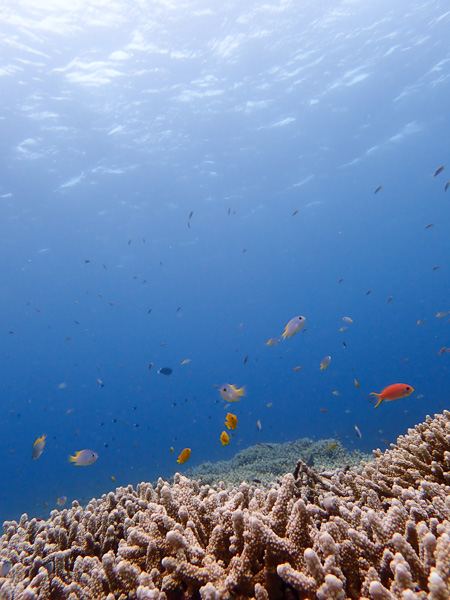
[(165, 371)]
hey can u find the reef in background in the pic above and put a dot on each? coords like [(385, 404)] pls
[(376, 531), (266, 463)]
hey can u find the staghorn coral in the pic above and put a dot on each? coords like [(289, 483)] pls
[(379, 531)]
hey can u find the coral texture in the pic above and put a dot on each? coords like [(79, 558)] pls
[(379, 531)]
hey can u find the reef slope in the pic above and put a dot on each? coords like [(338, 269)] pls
[(379, 530)]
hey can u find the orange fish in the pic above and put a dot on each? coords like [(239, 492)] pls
[(231, 421), (224, 438), (393, 392), (184, 456)]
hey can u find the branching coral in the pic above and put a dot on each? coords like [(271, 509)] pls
[(379, 531)]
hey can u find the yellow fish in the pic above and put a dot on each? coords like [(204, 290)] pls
[(184, 456), (171, 449), (442, 314), (294, 326), (186, 361), (356, 384), (224, 438), (273, 342), (336, 393), (325, 363), (84, 458), (230, 393), (231, 421), (38, 447)]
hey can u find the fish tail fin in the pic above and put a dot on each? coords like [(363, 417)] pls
[(72, 459), (241, 391), (380, 399), (284, 335)]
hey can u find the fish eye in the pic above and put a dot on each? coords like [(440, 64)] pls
[(224, 389), (407, 388)]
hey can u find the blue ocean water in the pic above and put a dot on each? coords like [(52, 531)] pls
[(154, 157)]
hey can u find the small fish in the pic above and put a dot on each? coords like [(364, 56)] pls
[(356, 383), (224, 438), (245, 360), (231, 421), (429, 225), (441, 351), (298, 368), (344, 328), (442, 314), (325, 363), (61, 500), (378, 189), (184, 456), (336, 393), (293, 327), (244, 250), (258, 425), (172, 449), (100, 382), (273, 342), (231, 393), (436, 267), (446, 186), (112, 478), (324, 410), (38, 447), (419, 396), (150, 365), (438, 170), (368, 292), (294, 213), (190, 214), (395, 391), (389, 299), (358, 433), (269, 404), (165, 371), (84, 458), (255, 480), (186, 361), (347, 319), (332, 446), (344, 344), (341, 280), (420, 321)]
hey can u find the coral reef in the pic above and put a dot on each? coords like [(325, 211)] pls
[(264, 463), (379, 531)]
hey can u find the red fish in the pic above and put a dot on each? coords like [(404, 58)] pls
[(393, 392)]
